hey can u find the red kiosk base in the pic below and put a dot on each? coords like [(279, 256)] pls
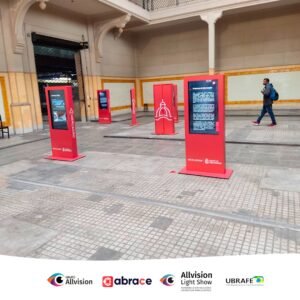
[(104, 120), (226, 175), (51, 157)]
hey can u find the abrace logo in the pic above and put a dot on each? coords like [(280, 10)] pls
[(168, 280), (110, 281), (107, 281), (57, 279)]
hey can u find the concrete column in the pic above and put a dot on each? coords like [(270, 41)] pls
[(211, 18)]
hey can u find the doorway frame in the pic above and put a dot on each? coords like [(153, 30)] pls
[(29, 58)]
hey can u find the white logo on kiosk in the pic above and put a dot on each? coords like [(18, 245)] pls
[(212, 162), (195, 160), (72, 123), (163, 112)]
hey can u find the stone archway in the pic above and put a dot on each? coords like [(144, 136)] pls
[(18, 10)]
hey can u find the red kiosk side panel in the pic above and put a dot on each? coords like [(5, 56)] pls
[(176, 111), (133, 108)]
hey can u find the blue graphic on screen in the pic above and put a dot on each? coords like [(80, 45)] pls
[(103, 102), (203, 106), (58, 109)]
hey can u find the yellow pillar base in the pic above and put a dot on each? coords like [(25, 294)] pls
[(211, 72)]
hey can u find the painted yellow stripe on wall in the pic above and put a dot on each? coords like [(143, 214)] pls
[(119, 81), (227, 74), (5, 102), (120, 107)]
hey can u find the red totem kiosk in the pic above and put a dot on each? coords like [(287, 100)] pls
[(205, 127), (62, 123), (104, 106), (164, 109), (176, 113), (133, 108)]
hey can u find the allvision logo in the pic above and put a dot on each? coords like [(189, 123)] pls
[(168, 280), (246, 281), (58, 279)]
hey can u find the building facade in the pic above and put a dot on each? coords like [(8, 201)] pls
[(118, 45)]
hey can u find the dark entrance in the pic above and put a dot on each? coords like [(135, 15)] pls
[(58, 62)]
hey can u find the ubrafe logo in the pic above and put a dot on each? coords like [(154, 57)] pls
[(109, 281), (249, 281)]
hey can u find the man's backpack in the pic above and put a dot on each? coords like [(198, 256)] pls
[(274, 96)]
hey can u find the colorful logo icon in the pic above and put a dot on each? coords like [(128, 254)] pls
[(57, 279), (168, 280), (107, 281), (259, 279)]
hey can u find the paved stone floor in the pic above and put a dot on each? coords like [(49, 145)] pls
[(123, 202), (288, 133)]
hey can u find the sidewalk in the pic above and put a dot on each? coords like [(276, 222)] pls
[(122, 202)]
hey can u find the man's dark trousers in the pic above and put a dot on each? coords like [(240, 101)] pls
[(267, 109)]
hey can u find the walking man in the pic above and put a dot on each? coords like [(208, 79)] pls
[(267, 104)]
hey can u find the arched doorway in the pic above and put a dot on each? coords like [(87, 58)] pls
[(58, 62)]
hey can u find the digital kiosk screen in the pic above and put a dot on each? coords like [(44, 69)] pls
[(103, 102), (58, 109), (203, 106)]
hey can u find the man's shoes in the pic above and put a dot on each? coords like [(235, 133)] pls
[(255, 123), (271, 125)]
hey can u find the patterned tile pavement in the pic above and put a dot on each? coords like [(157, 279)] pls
[(122, 202)]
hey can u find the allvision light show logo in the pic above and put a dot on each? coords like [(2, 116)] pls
[(110, 281), (245, 281), (58, 279), (196, 281), (168, 280)]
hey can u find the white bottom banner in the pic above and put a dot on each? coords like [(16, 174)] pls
[(233, 277)]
